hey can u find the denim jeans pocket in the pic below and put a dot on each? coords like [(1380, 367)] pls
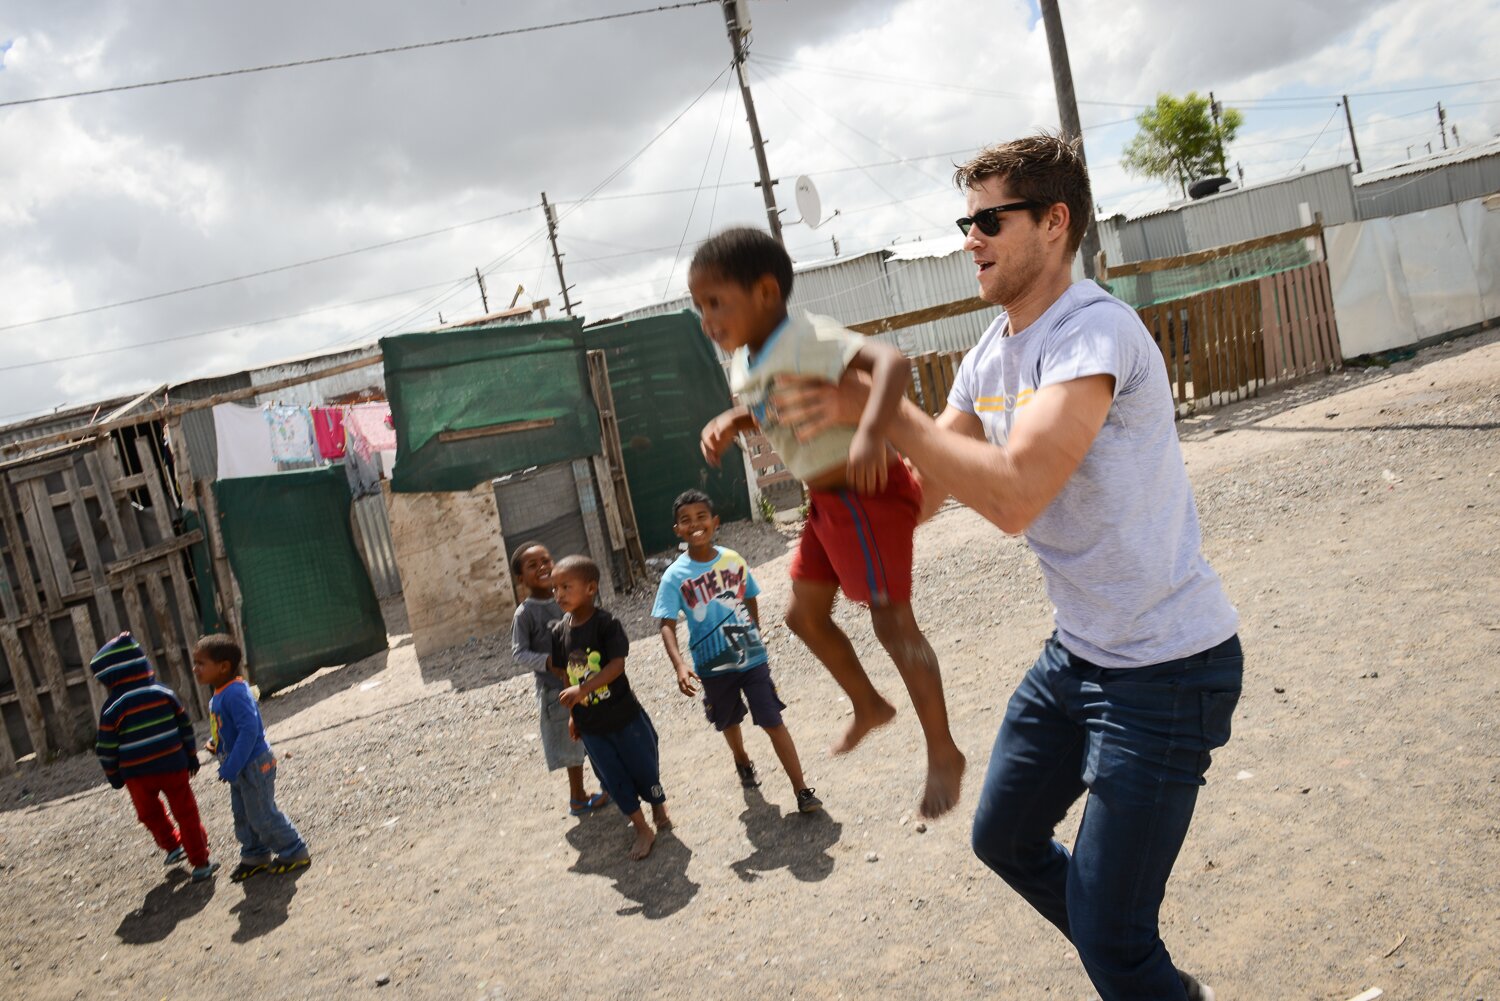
[(1217, 709)]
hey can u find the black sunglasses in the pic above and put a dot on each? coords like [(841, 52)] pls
[(988, 220)]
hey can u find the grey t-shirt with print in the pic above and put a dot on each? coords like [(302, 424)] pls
[(531, 640), (1120, 546)]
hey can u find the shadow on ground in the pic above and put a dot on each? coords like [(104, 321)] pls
[(265, 907), (797, 842), (173, 901), (658, 885)]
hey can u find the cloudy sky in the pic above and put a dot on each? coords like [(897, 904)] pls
[(442, 152)]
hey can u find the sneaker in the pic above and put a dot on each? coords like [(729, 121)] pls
[(205, 872), (1195, 990), (285, 865), (248, 868), (748, 778), (174, 856), (808, 802)]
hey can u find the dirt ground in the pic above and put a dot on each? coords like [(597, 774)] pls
[(1349, 836)]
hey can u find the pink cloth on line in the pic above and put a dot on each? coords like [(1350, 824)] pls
[(370, 430), (328, 428)]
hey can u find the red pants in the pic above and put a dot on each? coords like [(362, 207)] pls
[(146, 792)]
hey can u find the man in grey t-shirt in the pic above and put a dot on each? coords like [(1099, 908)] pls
[(1060, 427)]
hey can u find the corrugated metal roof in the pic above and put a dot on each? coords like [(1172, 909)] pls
[(1462, 154), (1442, 179)]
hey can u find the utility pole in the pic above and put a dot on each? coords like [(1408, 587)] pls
[(551, 214), (1215, 109), (1442, 125), (1067, 110), (484, 295), (1456, 141), (1353, 143), (737, 22)]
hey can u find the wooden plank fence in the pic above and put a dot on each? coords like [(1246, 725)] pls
[(1228, 343), (89, 546)]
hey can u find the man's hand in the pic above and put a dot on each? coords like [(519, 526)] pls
[(685, 683), (718, 434), (812, 405), (570, 697), (867, 459)]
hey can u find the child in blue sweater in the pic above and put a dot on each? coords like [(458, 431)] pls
[(268, 841)]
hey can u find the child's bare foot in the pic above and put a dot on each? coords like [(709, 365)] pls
[(659, 817), (945, 772), (864, 721), (644, 839)]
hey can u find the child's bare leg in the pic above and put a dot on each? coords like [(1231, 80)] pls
[(645, 837), (786, 753), (897, 630), (811, 618), (660, 818), (735, 738), (576, 790)]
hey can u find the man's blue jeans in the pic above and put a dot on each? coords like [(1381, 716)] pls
[(260, 826), (1139, 740)]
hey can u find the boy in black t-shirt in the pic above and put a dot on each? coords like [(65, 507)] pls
[(591, 646)]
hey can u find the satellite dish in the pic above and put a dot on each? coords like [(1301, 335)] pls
[(808, 202)]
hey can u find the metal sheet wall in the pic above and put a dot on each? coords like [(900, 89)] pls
[(1269, 208), (313, 394), (198, 426), (372, 530), (1445, 185)]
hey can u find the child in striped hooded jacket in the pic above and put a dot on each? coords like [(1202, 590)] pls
[(146, 745)]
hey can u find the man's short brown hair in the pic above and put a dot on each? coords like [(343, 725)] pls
[(1042, 168)]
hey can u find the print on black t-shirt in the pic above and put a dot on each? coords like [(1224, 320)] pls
[(584, 650)]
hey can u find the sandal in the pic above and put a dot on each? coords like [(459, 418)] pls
[(245, 870), (578, 807)]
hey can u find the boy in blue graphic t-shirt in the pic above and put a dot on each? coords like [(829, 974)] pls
[(712, 587)]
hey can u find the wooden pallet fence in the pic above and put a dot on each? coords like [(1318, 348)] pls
[(1226, 344), (88, 547)]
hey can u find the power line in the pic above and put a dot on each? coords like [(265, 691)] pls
[(220, 330), (361, 55), (930, 84), (708, 159), (1369, 93), (259, 274)]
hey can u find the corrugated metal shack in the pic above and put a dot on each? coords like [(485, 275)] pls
[(1231, 217), (1445, 178)]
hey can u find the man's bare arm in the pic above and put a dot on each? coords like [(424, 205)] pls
[(1010, 486)]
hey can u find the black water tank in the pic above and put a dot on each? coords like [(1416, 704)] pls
[(1206, 186)]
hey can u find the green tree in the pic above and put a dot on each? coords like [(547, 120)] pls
[(1181, 141)]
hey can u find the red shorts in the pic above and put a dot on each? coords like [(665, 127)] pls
[(862, 542)]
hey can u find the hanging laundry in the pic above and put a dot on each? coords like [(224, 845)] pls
[(328, 429), (370, 429), (291, 435), (243, 440)]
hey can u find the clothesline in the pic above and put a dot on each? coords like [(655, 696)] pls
[(271, 438)]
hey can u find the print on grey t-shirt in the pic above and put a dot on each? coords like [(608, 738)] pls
[(1120, 546)]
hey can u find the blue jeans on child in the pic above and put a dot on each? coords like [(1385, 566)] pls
[(1139, 740), (627, 764), (262, 829)]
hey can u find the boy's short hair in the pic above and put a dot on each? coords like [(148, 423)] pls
[(742, 255), (522, 550), (1044, 168), (577, 566), (222, 649), (692, 496)]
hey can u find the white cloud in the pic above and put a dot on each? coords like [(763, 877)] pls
[(117, 196)]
